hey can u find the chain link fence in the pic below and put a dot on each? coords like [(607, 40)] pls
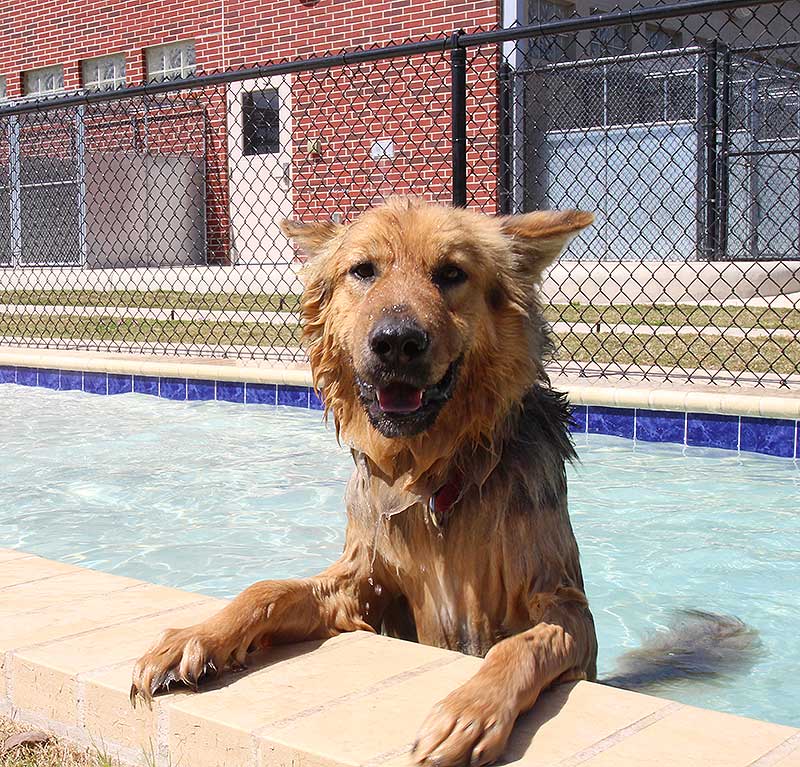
[(146, 220)]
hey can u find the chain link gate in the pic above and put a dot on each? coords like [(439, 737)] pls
[(676, 124)]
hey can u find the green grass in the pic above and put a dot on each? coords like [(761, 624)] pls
[(154, 299), (686, 351), (125, 330), (637, 314), (52, 753), (676, 315)]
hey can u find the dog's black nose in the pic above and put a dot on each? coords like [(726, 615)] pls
[(398, 341)]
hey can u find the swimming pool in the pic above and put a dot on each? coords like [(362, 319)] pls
[(211, 496)]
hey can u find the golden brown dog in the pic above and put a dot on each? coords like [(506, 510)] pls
[(426, 339)]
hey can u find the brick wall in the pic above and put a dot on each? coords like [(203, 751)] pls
[(343, 111)]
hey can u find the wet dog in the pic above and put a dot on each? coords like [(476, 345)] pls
[(427, 340)]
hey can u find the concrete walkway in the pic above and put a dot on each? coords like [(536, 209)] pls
[(70, 636), (293, 318), (293, 357)]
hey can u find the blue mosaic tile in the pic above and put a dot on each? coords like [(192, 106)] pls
[(577, 419), (145, 385), (119, 384), (294, 396), (95, 383), (315, 401), (173, 388), (771, 436), (71, 380), (200, 390), (230, 391), (260, 394), (8, 374), (49, 379), (710, 430), (611, 420), (660, 426), (27, 376)]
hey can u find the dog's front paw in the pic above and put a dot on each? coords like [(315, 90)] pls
[(185, 656), (469, 727)]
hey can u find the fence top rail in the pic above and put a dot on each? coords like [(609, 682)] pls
[(436, 45)]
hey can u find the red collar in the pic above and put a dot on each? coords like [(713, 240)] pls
[(443, 500)]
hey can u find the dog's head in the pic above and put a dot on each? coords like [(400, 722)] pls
[(422, 321)]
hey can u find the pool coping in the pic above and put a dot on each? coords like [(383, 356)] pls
[(741, 420), (356, 699)]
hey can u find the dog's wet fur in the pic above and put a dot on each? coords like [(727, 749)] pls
[(427, 341)]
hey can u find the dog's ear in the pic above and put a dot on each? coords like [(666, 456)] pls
[(537, 239), (310, 238)]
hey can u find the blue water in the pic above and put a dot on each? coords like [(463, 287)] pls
[(212, 496)]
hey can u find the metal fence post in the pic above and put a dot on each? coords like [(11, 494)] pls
[(15, 190), (506, 179), (711, 239), (458, 100), (724, 158)]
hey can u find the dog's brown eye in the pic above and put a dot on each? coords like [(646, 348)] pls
[(363, 271), (449, 275)]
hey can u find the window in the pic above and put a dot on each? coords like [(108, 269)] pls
[(552, 48), (261, 122), (39, 82), (660, 39), (168, 62), (103, 74), (611, 41)]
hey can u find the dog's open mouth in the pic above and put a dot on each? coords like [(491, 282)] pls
[(399, 398), (400, 408)]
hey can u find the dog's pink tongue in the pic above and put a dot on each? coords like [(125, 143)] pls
[(399, 398)]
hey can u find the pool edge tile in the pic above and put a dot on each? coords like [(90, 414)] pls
[(95, 383), (612, 421), (175, 389), (119, 383), (260, 394), (27, 376), (71, 380), (290, 395), (661, 426), (578, 419), (713, 430), (200, 390), (230, 391), (146, 385), (49, 379)]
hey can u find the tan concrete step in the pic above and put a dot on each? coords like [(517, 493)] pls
[(69, 638)]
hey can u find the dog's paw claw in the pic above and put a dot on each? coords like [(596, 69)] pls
[(184, 656)]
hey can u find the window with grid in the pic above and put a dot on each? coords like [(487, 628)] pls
[(261, 122), (660, 39), (172, 61), (552, 48), (611, 41), (105, 73), (42, 81)]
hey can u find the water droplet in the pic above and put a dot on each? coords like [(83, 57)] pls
[(378, 589), (366, 607)]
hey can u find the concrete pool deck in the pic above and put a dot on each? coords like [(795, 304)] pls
[(719, 399), (69, 637)]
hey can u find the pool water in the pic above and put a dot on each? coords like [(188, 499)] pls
[(210, 497)]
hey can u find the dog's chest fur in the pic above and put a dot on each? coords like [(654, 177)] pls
[(466, 579)]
